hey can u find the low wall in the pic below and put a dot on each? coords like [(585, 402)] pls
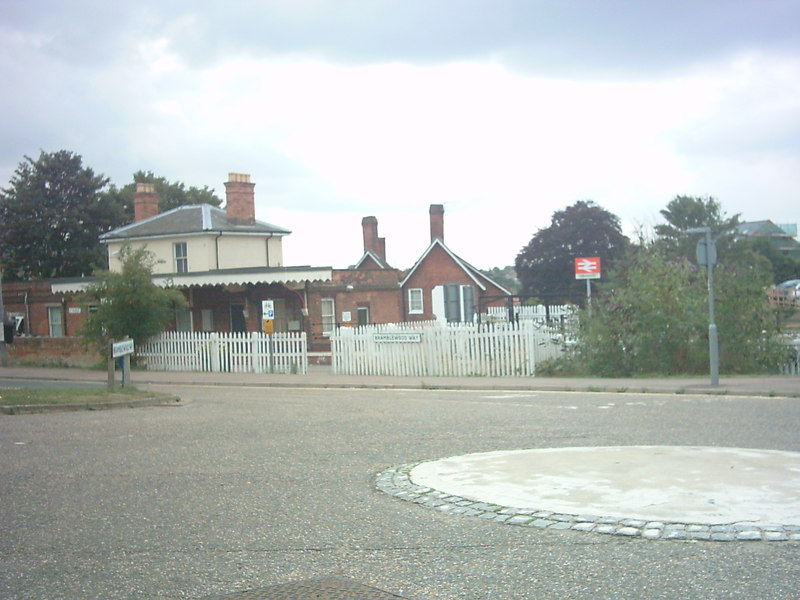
[(47, 351)]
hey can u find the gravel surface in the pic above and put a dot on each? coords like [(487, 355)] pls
[(246, 487)]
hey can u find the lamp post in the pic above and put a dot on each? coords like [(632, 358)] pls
[(3, 348), (707, 257)]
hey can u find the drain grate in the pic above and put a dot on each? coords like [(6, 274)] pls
[(328, 588)]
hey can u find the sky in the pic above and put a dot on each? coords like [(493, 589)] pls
[(504, 111)]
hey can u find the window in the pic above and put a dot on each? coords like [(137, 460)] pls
[(415, 306), (181, 257), (363, 315), (238, 318), (183, 319), (459, 303), (207, 319), (328, 316), (55, 318)]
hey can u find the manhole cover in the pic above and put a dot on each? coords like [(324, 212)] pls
[(328, 588)]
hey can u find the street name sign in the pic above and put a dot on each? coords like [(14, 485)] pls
[(121, 348), (397, 337)]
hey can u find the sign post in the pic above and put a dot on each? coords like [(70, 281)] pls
[(3, 348), (588, 268), (268, 327), (123, 350), (707, 257)]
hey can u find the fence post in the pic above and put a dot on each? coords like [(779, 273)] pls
[(213, 348), (255, 363)]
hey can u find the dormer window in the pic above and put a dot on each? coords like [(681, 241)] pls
[(181, 257)]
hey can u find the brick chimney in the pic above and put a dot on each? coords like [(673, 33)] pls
[(145, 202), (240, 200), (437, 222), (373, 243)]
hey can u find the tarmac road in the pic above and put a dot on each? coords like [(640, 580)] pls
[(242, 488)]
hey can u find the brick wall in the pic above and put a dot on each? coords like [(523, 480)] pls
[(33, 299), (351, 289), (47, 351)]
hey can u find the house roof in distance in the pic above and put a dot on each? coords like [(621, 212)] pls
[(191, 219)]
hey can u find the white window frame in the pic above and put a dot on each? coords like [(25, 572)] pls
[(55, 326), (181, 258), (465, 299), (416, 302), (327, 316)]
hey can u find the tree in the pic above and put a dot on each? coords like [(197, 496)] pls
[(52, 215), (783, 266), (688, 212), (545, 266), (650, 319), (653, 318), (171, 194), (128, 303), (505, 276)]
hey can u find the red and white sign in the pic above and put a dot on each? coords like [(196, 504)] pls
[(587, 267)]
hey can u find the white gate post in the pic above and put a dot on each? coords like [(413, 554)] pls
[(213, 348)]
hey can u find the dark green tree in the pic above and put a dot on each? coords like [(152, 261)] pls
[(689, 212), (127, 303), (783, 266), (52, 214), (171, 194), (545, 266)]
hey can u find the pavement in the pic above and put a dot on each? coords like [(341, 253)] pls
[(320, 376)]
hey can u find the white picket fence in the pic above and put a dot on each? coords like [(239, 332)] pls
[(566, 314), (793, 366), (450, 350), (226, 352)]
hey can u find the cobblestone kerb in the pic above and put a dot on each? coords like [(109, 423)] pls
[(396, 481)]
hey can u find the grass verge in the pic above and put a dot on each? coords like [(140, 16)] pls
[(74, 398)]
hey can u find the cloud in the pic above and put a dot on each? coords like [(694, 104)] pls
[(504, 112)]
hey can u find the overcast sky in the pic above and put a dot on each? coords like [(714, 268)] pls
[(502, 110)]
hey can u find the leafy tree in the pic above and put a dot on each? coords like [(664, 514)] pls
[(653, 318), (688, 212), (783, 266), (52, 214), (505, 276), (171, 194), (545, 266), (127, 303)]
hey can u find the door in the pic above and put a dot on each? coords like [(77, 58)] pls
[(238, 322)]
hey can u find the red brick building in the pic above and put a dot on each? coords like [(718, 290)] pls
[(440, 286), (227, 264), (443, 286)]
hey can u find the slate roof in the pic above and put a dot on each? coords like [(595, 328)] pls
[(474, 274), (370, 255), (196, 218), (753, 228)]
